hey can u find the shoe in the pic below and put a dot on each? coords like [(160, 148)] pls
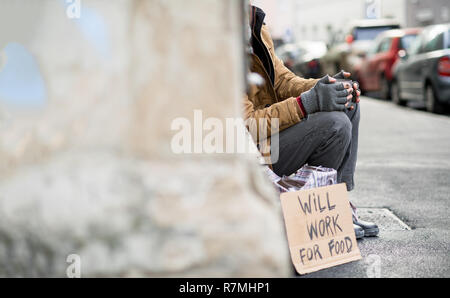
[(370, 228), (359, 232)]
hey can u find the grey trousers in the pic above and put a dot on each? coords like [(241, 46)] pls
[(328, 139)]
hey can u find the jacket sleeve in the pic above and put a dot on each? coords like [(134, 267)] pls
[(286, 112), (286, 84)]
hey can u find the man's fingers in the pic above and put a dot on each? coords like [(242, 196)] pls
[(356, 86), (343, 93), (327, 80), (341, 100), (343, 86), (340, 108), (340, 87), (346, 74), (358, 92), (342, 75), (331, 80)]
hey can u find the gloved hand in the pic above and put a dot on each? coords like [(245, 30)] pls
[(343, 75), (325, 96), (351, 105), (358, 91)]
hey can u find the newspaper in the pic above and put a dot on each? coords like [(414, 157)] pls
[(305, 178)]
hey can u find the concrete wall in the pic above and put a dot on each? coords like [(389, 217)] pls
[(86, 166)]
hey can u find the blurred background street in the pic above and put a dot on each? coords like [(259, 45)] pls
[(398, 49)]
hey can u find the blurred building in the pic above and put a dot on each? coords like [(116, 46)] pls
[(429, 12), (324, 19), (280, 17)]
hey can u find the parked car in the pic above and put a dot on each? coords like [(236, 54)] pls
[(303, 57), (375, 71), (423, 72), (288, 53), (347, 54), (307, 63)]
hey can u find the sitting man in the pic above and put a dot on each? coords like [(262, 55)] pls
[(317, 120)]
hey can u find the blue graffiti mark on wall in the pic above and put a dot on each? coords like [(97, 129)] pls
[(21, 82)]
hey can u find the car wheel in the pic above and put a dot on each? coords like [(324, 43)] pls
[(395, 92), (385, 91), (431, 102)]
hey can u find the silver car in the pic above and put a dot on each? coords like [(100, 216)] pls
[(423, 73)]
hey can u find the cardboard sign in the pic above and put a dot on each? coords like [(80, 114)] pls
[(319, 227)]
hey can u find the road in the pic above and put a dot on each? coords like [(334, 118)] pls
[(404, 166)]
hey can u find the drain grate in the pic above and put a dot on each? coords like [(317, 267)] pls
[(384, 218)]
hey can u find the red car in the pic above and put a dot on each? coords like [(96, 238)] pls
[(375, 71)]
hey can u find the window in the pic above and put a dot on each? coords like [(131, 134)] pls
[(370, 33), (416, 45), (385, 45), (407, 41), (435, 44), (448, 39)]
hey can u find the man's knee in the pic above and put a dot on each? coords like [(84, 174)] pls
[(341, 126)]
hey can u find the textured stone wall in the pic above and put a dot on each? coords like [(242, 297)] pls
[(86, 167)]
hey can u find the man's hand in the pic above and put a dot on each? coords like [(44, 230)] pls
[(343, 75), (358, 94), (326, 96)]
